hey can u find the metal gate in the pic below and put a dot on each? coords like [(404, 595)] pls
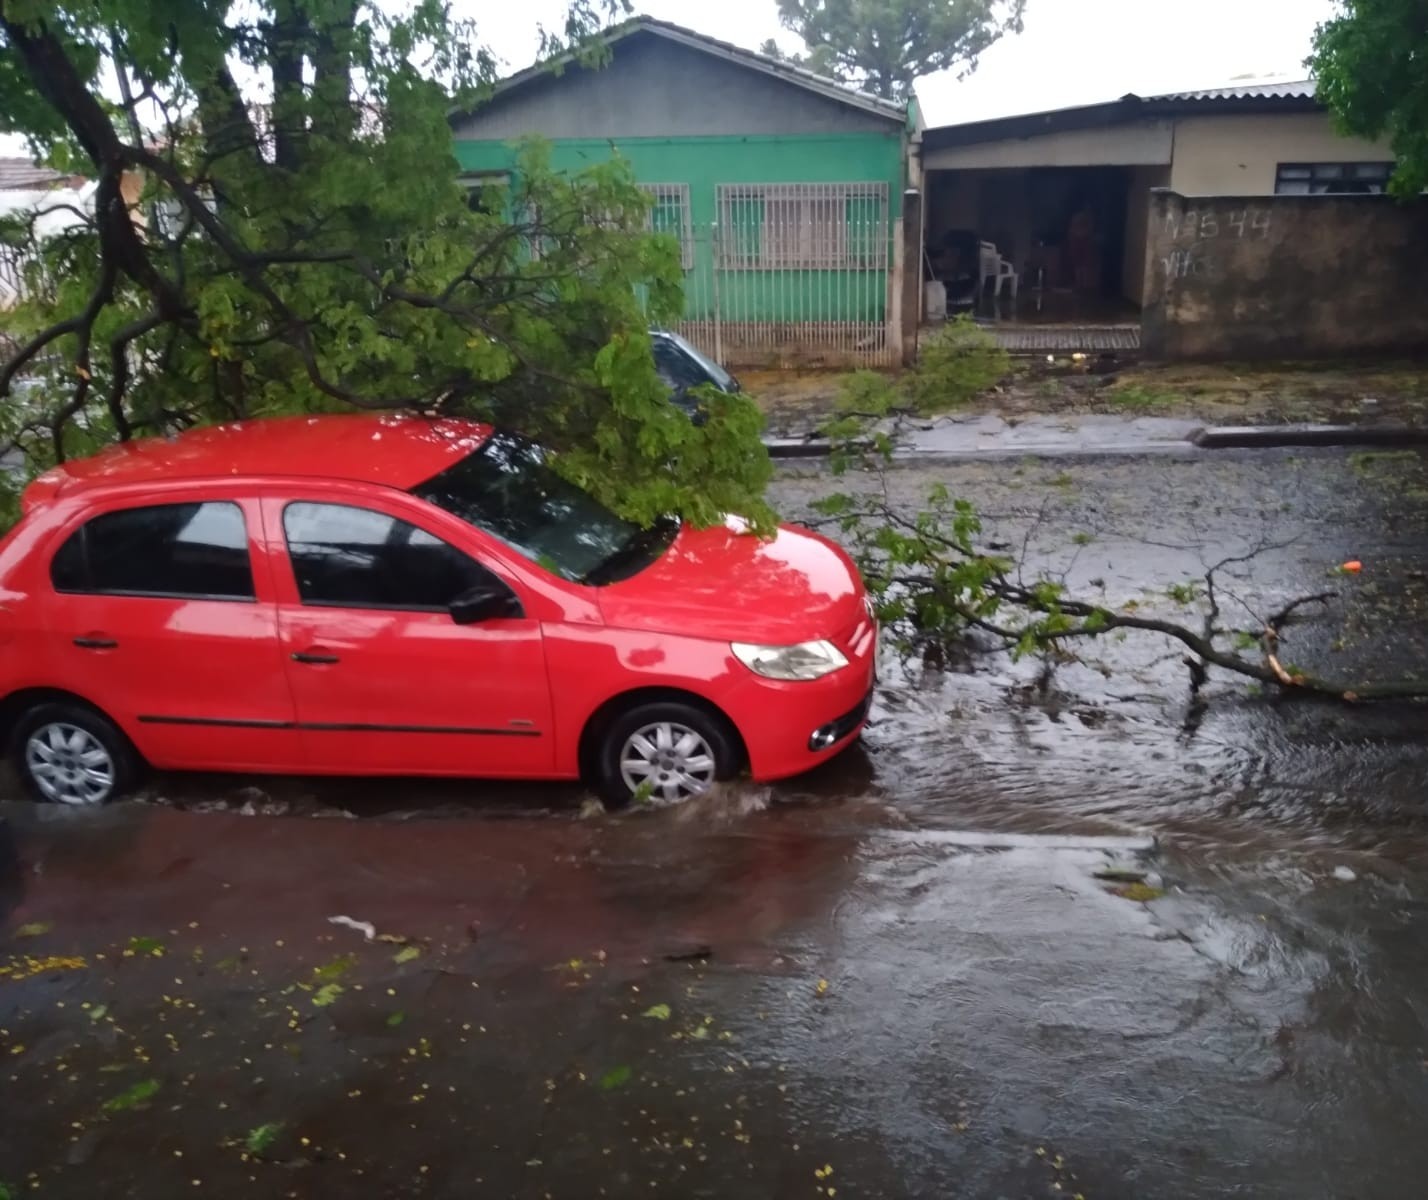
[(793, 275)]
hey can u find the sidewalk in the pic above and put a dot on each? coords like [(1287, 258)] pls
[(986, 435)]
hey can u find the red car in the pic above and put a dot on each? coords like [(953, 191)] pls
[(367, 595)]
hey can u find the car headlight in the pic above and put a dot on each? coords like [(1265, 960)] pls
[(807, 660)]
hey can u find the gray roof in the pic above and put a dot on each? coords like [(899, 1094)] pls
[(18, 174), (820, 84), (1301, 89), (1247, 98)]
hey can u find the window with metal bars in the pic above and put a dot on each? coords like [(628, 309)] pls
[(823, 226), (1331, 179), (669, 213)]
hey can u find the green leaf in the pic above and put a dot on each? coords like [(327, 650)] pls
[(406, 954), (327, 994), (660, 1012), (260, 1139), (151, 947), (34, 929), (395, 1019), (132, 1097), (99, 1012), (330, 972), (616, 1077)]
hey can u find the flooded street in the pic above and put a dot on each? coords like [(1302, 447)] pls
[(1077, 935)]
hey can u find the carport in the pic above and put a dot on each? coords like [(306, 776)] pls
[(1062, 196)]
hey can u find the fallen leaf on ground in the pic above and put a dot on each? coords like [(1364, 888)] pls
[(261, 1138), (34, 929), (406, 954), (1141, 893), (331, 971), (660, 1012), (614, 1078), (132, 1097)]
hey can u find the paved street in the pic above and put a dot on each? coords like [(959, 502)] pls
[(824, 988)]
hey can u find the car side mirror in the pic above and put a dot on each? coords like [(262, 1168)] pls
[(484, 602)]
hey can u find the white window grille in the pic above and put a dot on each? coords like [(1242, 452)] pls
[(669, 213), (822, 226)]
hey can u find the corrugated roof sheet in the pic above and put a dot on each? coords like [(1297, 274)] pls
[(1300, 89), (17, 174)]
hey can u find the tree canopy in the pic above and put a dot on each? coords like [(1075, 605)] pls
[(1371, 62), (883, 45), (278, 226)]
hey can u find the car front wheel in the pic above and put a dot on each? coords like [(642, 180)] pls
[(69, 754), (665, 751)]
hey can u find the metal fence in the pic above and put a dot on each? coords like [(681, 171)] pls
[(792, 275)]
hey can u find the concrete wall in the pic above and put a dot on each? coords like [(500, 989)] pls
[(653, 87), (1142, 180), (1140, 142), (1284, 276), (1237, 154)]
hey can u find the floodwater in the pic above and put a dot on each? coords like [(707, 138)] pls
[(819, 988)]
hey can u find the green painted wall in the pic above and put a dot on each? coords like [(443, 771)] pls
[(705, 162)]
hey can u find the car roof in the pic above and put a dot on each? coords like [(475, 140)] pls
[(397, 450)]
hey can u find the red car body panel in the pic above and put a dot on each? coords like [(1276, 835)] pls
[(213, 684)]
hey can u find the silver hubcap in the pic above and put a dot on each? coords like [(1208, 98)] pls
[(668, 761), (69, 764)]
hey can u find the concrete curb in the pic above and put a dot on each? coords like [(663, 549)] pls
[(809, 447), (1240, 437)]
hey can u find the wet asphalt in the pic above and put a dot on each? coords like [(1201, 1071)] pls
[(819, 988)]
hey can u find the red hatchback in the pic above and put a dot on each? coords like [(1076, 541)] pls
[(369, 595)]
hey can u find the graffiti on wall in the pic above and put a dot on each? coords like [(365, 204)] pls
[(1196, 229)]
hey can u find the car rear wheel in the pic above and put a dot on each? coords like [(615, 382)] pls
[(665, 752), (69, 754)]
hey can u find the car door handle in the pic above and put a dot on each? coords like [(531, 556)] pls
[(309, 657), (96, 643)]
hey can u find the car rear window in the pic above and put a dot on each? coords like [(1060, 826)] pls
[(197, 551)]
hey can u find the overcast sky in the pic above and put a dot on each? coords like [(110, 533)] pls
[(1073, 51)]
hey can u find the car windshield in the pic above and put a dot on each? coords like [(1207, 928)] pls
[(507, 489), (715, 372)]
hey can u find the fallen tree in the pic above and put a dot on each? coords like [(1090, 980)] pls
[(935, 581), (277, 226)]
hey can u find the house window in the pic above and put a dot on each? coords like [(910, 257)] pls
[(487, 191), (1332, 179), (826, 226), (669, 213)]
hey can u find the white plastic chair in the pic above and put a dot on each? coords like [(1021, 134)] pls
[(997, 271)]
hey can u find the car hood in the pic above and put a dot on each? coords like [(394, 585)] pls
[(725, 583)]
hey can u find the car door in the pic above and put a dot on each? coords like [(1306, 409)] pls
[(159, 617), (385, 681)]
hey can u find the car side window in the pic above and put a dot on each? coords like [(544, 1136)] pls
[(190, 551), (349, 557)]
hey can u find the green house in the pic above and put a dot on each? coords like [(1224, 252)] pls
[(783, 187)]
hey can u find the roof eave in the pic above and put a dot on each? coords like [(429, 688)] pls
[(1115, 112)]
